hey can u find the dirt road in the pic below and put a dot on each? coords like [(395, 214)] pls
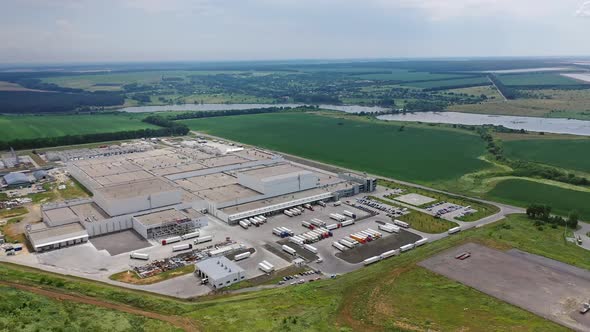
[(181, 322)]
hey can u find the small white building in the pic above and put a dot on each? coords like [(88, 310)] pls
[(220, 272)]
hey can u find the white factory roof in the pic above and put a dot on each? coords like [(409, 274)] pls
[(160, 217), (135, 189), (48, 236), (275, 171), (218, 267)]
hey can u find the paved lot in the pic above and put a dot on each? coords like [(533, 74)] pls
[(377, 247), (415, 199), (544, 288), (121, 242)]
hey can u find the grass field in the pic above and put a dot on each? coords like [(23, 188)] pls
[(133, 278), (31, 126), (394, 295), (523, 192), (569, 154), (449, 83), (536, 79), (25, 311), (422, 154), (488, 90)]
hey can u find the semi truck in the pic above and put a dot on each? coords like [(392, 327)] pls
[(191, 235), (171, 240), (401, 223), (138, 255), (349, 214), (454, 230), (203, 239), (181, 247), (241, 256)]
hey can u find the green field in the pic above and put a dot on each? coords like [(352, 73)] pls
[(523, 193), (418, 153), (569, 154), (24, 311), (536, 79), (449, 83), (31, 126), (392, 295)]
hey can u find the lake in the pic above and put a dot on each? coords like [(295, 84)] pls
[(221, 107), (548, 125)]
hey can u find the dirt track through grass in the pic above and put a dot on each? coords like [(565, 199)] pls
[(181, 322)]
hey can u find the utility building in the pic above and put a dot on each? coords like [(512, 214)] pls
[(219, 272)]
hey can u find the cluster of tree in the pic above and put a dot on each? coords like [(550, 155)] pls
[(542, 213), (19, 144), (210, 114), (175, 128), (528, 169), (425, 106), (142, 97), (37, 84), (458, 86), (317, 99), (54, 102), (507, 92)]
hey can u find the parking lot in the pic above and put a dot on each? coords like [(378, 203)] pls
[(377, 247), (537, 285), (119, 243)]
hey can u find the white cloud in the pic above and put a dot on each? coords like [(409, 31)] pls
[(584, 10)]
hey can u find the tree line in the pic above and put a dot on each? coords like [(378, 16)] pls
[(19, 102), (542, 213)]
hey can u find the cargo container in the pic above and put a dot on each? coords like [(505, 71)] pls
[(241, 256), (455, 230), (346, 223), (421, 241), (260, 220), (266, 266), (332, 226), (322, 204), (191, 235), (389, 229), (390, 253), (181, 247), (349, 214), (288, 213), (137, 255), (338, 246), (263, 218), (371, 260), (311, 248), (401, 224), (254, 222), (203, 239), (244, 224), (289, 250), (297, 240), (407, 247), (171, 240), (348, 243), (374, 232), (335, 217)]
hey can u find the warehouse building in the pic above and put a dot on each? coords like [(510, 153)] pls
[(219, 272), (44, 238), (16, 180)]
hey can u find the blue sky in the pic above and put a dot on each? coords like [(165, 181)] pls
[(169, 30)]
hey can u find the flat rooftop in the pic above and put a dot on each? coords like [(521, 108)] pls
[(227, 193), (209, 181), (222, 161), (74, 213), (89, 212), (275, 170), (60, 216), (135, 189), (160, 217), (50, 235), (218, 267)]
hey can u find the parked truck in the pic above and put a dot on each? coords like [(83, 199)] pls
[(371, 260), (401, 223), (137, 255), (422, 241), (181, 247), (191, 235), (311, 248), (244, 224), (289, 250), (349, 214), (241, 256), (266, 266), (454, 230), (171, 240), (203, 239)]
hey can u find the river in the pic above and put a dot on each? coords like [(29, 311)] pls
[(548, 125)]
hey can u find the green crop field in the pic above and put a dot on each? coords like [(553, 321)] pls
[(24, 311), (420, 154), (392, 295), (449, 83), (523, 192), (537, 79), (406, 75), (31, 126), (569, 154)]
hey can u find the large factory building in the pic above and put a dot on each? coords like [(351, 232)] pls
[(172, 190)]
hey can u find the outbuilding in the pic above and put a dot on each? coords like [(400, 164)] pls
[(15, 179), (219, 272)]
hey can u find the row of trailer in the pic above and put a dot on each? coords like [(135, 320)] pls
[(266, 266), (311, 236), (293, 212), (395, 252), (282, 232), (253, 221), (194, 235)]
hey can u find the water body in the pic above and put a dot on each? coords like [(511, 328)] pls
[(222, 107), (548, 125)]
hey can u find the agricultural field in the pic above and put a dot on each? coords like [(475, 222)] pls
[(26, 311), (537, 79), (482, 80), (523, 192), (32, 126), (569, 154), (395, 294), (407, 152), (488, 90), (401, 75)]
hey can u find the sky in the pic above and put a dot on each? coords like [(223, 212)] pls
[(61, 31)]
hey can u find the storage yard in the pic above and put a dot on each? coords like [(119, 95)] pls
[(545, 287)]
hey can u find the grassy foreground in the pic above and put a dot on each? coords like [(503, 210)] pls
[(395, 294)]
